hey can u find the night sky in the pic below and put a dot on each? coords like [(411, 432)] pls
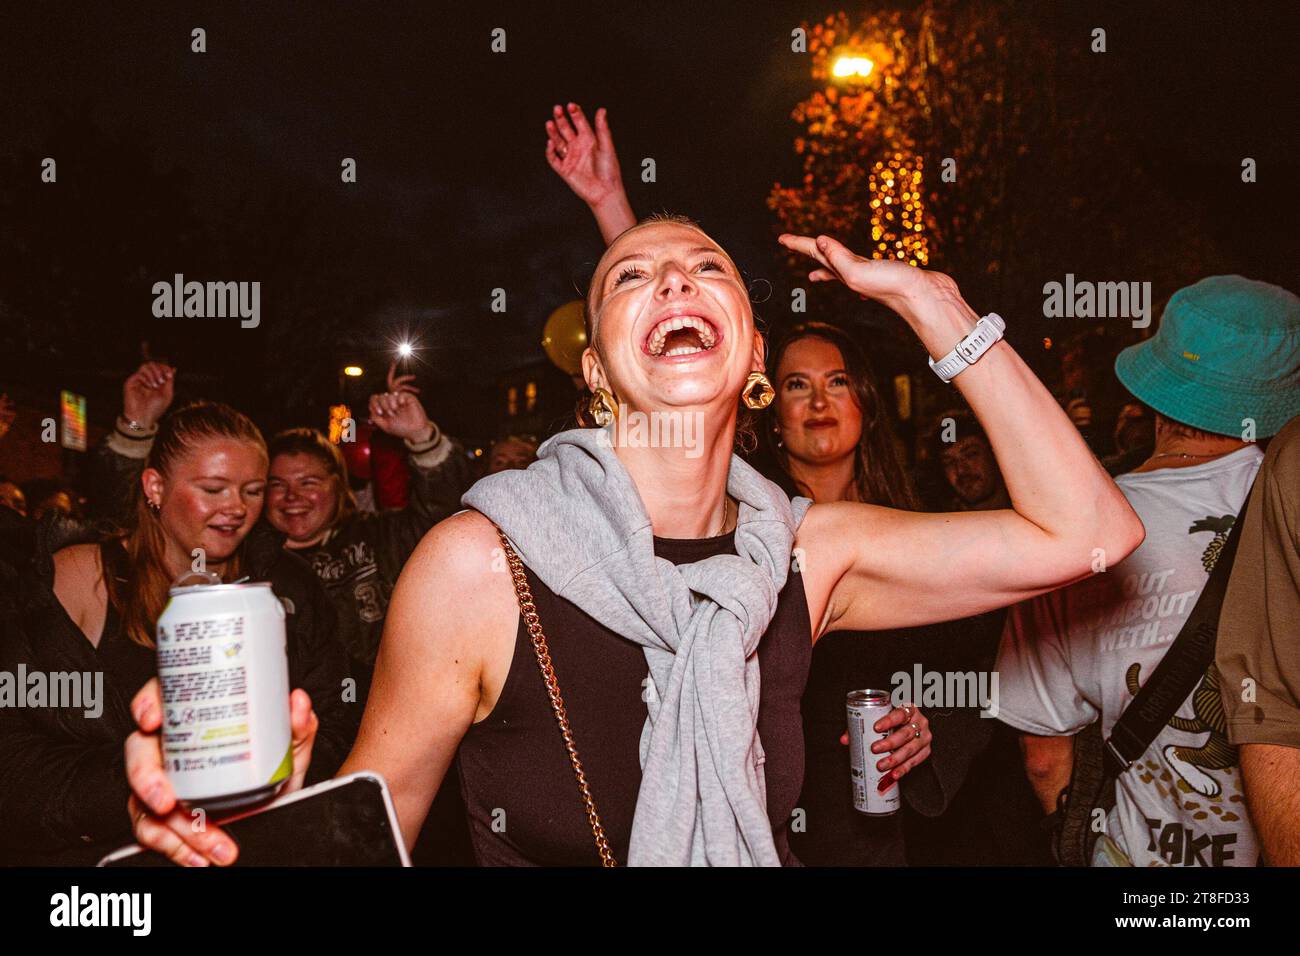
[(454, 197)]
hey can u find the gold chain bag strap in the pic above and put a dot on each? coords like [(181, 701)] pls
[(529, 611)]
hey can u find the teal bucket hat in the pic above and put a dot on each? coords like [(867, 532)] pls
[(1227, 350)]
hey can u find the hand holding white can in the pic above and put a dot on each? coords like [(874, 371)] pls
[(163, 824)]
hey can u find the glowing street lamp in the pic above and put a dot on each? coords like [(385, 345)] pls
[(849, 66), (405, 349), (352, 371)]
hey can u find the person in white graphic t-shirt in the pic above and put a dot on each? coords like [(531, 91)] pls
[(1220, 372)]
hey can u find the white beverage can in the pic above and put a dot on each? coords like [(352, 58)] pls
[(224, 673), (864, 708)]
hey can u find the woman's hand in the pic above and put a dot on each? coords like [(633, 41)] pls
[(401, 415), (586, 161), (890, 282), (583, 158), (148, 393), (909, 744), (401, 383), (163, 824)]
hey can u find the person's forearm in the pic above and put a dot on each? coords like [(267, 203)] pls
[(1272, 777), (115, 468), (1049, 761), (613, 215), (1053, 479), (438, 479)]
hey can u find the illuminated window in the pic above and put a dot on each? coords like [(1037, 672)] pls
[(530, 396), (73, 409), (340, 415)]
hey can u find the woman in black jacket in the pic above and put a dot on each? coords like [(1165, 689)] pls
[(86, 606)]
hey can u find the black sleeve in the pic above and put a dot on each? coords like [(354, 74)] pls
[(55, 791), (113, 480), (960, 733), (318, 663), (434, 494)]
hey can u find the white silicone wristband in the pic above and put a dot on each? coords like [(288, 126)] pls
[(987, 332)]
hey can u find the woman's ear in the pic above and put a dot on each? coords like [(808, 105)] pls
[(760, 352), (591, 371), (151, 481)]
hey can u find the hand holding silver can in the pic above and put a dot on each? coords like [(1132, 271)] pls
[(901, 741), (875, 792)]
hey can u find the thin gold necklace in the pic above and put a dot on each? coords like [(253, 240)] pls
[(726, 509)]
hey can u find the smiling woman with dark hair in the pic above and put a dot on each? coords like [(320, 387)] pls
[(828, 428)]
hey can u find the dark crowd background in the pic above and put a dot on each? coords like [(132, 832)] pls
[(226, 165)]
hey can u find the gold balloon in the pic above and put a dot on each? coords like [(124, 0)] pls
[(565, 337)]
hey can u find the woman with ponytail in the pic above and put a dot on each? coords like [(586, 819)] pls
[(89, 609)]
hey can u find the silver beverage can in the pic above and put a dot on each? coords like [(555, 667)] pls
[(865, 707), (224, 673)]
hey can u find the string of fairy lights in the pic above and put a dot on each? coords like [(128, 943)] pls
[(898, 211)]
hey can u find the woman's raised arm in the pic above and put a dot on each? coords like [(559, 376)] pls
[(868, 567), (585, 159)]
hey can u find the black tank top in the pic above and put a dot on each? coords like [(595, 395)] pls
[(521, 796), (836, 834)]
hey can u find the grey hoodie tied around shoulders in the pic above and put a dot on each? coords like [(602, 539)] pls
[(578, 523)]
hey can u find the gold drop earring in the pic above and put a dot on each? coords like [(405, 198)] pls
[(758, 392), (602, 407)]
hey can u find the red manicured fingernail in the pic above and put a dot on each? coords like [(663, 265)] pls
[(886, 782)]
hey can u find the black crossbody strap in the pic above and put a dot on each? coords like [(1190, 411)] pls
[(1181, 668)]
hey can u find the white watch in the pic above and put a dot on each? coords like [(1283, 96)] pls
[(987, 331)]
